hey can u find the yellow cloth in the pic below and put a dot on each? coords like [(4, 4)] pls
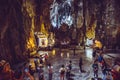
[(90, 32), (98, 44)]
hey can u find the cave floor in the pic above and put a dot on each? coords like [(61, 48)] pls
[(59, 57)]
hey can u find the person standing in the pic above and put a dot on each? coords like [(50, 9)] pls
[(80, 64), (62, 72), (26, 73), (108, 76), (74, 51), (31, 70), (67, 73), (36, 63), (50, 71), (41, 59), (40, 73), (70, 65), (95, 69), (104, 68)]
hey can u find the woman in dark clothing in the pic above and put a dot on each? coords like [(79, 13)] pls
[(70, 65), (50, 70), (67, 73), (31, 70), (41, 74), (80, 64), (95, 69)]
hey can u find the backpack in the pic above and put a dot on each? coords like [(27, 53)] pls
[(62, 72)]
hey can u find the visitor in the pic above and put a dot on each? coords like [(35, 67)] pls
[(80, 64), (31, 70), (108, 76), (62, 72), (70, 65), (95, 69), (41, 59), (36, 63), (27, 75), (40, 73), (67, 73), (50, 71)]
